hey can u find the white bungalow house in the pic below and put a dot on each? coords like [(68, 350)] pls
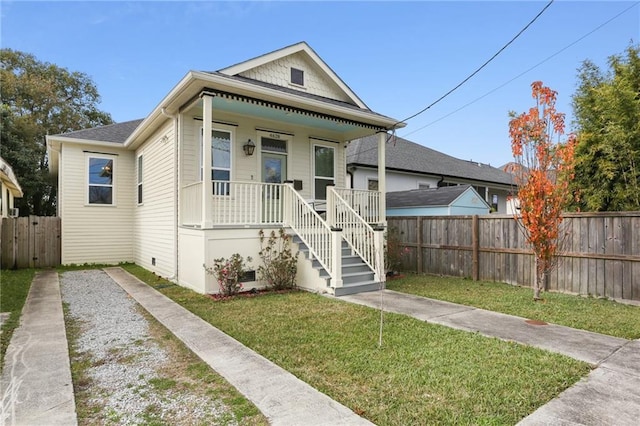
[(146, 191), (412, 166), (9, 190)]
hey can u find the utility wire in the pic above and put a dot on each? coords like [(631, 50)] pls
[(516, 77), (480, 68), (524, 72)]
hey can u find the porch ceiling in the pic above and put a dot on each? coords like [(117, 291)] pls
[(343, 128)]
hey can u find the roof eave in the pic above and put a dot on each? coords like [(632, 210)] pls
[(195, 82)]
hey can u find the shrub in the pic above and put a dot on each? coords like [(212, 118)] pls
[(228, 273), (279, 266)]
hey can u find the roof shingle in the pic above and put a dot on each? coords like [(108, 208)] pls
[(408, 156)]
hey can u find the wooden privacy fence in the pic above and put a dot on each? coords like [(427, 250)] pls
[(601, 254), (30, 242)]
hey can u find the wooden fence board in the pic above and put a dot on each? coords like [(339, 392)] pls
[(601, 257), (30, 242)]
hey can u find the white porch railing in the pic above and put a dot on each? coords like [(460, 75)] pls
[(191, 204), (363, 239), (258, 203), (324, 243), (365, 203), (247, 203), (234, 203)]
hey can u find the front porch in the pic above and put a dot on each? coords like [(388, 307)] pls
[(342, 240)]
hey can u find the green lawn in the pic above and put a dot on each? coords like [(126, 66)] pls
[(597, 315), (14, 288), (422, 373)]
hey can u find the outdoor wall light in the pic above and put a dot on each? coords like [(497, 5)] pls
[(249, 147)]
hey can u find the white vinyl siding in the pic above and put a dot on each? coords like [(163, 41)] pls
[(315, 81), (96, 233), (155, 220)]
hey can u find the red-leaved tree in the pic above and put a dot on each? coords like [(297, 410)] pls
[(543, 172)]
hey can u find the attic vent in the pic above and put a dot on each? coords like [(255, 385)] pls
[(297, 76)]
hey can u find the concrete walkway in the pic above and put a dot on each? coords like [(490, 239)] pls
[(37, 388), (609, 395), (279, 395), (36, 380)]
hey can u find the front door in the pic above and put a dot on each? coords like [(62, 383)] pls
[(274, 170)]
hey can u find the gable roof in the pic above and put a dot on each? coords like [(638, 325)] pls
[(404, 155), (117, 132), (444, 196), (301, 47), (9, 179)]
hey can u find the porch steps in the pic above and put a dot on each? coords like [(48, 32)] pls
[(357, 277)]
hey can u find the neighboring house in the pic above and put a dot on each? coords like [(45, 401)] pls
[(445, 201), (413, 166), (9, 190), (278, 127)]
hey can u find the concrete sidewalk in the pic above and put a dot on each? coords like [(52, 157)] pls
[(36, 379), (609, 395), (279, 395)]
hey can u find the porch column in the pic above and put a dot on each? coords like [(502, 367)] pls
[(207, 185), (382, 183)]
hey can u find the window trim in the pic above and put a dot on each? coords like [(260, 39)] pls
[(232, 137), (87, 184), (140, 179), (369, 180), (313, 167), (301, 74)]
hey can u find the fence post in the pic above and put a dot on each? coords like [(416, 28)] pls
[(419, 244), (475, 243)]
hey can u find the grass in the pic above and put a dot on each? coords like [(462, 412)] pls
[(423, 372), (182, 374), (14, 289), (586, 313)]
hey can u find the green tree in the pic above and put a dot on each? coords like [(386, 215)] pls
[(607, 111), (39, 98)]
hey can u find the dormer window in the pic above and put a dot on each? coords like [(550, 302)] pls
[(297, 76)]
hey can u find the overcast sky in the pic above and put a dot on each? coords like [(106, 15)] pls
[(398, 57)]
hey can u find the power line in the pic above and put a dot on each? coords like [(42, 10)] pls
[(480, 68), (524, 72)]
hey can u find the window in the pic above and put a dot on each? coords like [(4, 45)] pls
[(100, 180), (323, 170), (372, 184), (220, 161), (297, 76), (140, 162)]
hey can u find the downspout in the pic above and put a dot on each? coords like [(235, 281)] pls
[(176, 128)]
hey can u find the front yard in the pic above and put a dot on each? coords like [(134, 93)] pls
[(586, 313), (423, 372)]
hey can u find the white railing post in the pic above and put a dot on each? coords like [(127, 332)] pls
[(336, 251), (331, 206), (287, 203), (207, 184), (380, 272)]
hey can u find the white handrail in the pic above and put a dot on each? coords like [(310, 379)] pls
[(312, 230), (364, 202), (355, 230)]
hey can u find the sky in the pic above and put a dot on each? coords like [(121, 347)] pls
[(397, 56)]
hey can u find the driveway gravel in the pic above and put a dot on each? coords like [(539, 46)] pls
[(126, 381)]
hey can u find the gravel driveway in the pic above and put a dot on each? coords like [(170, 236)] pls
[(127, 379)]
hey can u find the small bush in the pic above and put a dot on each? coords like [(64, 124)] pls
[(279, 266), (228, 273)]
